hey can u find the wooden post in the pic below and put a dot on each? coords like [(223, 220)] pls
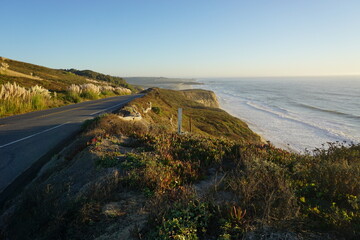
[(190, 124), (179, 120)]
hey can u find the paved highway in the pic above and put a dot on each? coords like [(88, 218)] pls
[(26, 138)]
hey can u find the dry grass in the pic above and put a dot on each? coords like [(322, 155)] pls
[(11, 73), (122, 91), (113, 125), (15, 99), (92, 91)]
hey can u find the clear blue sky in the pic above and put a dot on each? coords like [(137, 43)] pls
[(185, 38)]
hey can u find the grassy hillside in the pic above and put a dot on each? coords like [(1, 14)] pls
[(169, 83), (52, 79), (117, 81), (140, 180), (18, 93), (205, 120)]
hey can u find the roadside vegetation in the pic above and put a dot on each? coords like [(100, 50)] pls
[(141, 180), (15, 99), (101, 77), (26, 87)]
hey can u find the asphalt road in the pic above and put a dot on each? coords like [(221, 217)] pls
[(27, 138)]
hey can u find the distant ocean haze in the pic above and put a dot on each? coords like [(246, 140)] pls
[(295, 113)]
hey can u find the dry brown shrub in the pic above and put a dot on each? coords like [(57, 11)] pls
[(162, 202), (264, 191)]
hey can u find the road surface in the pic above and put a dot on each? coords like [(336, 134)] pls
[(27, 138)]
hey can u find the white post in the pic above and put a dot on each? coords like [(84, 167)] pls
[(179, 120)]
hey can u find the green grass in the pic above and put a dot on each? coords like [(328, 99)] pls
[(204, 120)]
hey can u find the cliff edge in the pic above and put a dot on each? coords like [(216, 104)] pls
[(205, 97)]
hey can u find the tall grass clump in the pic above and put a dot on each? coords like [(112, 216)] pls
[(15, 99), (73, 93), (107, 90), (39, 97), (90, 91), (122, 91)]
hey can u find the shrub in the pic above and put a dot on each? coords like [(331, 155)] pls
[(328, 186), (264, 190), (109, 160), (122, 91), (73, 97), (107, 90), (188, 220), (156, 110), (73, 93), (90, 91), (38, 102), (113, 125)]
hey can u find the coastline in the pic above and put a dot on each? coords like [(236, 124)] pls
[(294, 115), (192, 84), (114, 159), (272, 127)]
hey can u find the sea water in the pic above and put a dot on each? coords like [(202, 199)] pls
[(295, 113)]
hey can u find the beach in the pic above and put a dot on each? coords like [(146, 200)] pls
[(294, 113)]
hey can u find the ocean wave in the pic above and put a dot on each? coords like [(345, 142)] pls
[(328, 111), (330, 132), (276, 112)]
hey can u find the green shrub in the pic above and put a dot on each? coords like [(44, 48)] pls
[(183, 221), (109, 160), (92, 95), (38, 102), (107, 93), (73, 97), (156, 110), (328, 186)]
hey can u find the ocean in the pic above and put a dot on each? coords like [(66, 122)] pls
[(295, 113)]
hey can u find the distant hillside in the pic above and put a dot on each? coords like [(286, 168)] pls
[(169, 83), (27, 75), (118, 81)]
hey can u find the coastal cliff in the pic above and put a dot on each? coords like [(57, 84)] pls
[(205, 97), (201, 114)]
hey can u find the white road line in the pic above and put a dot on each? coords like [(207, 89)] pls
[(33, 135), (109, 108)]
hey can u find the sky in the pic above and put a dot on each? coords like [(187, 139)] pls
[(185, 38)]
